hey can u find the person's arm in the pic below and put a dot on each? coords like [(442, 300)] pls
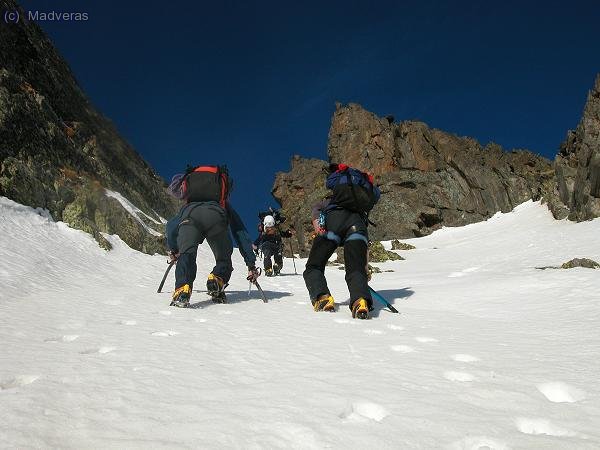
[(316, 212), (172, 230), (241, 237)]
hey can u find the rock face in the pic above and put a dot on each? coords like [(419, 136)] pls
[(59, 153), (296, 191), (428, 177), (578, 164)]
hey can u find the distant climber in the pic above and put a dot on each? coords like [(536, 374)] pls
[(270, 242)]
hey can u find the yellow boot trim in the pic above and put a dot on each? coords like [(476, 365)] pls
[(186, 289), (218, 279), (324, 303), (360, 309)]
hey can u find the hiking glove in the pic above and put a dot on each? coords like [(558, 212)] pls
[(172, 256), (253, 274)]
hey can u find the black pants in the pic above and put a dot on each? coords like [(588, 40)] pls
[(343, 224), (205, 221), (272, 249)]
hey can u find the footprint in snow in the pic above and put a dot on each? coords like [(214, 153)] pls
[(541, 426), (395, 327), (363, 411), (65, 338), (165, 333), (456, 275), (464, 358), (426, 340), (478, 443), (559, 392), (73, 325), (463, 272), (373, 332), (402, 348), (113, 302), (346, 321), (463, 377), (128, 322), (18, 381), (100, 350)]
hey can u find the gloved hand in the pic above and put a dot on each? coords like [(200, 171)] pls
[(255, 249), (253, 274), (173, 255)]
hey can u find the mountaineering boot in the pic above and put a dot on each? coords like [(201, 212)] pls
[(181, 296), (324, 303), (360, 309), (269, 272), (221, 298), (276, 269), (215, 286)]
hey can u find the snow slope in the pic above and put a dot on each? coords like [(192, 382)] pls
[(488, 352)]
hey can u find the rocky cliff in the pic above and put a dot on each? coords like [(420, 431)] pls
[(578, 164), (428, 177), (58, 152)]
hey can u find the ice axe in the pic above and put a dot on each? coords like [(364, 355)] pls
[(162, 283)]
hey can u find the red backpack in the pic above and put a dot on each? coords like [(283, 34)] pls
[(207, 183)]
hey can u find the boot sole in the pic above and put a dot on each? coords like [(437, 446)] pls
[(213, 289), (219, 299), (180, 304), (363, 315), (325, 308)]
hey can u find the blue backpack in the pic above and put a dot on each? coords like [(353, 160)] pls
[(352, 189)]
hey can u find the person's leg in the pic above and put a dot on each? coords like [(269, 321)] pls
[(212, 221), (355, 260), (314, 274), (278, 258), (188, 239), (222, 248), (267, 250)]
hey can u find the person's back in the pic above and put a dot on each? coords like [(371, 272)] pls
[(207, 215), (342, 220)]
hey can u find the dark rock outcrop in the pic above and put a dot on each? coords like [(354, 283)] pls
[(428, 177), (578, 165), (57, 152), (397, 245), (581, 262)]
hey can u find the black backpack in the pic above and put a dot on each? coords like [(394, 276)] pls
[(352, 189), (207, 183)]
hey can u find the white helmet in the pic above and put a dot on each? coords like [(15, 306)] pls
[(269, 222)]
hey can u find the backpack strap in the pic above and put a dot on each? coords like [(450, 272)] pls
[(369, 177), (222, 179)]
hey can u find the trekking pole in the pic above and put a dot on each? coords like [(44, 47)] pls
[(262, 293), (291, 249), (255, 283), (162, 283), (293, 258), (382, 300)]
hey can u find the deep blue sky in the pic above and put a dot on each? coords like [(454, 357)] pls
[(250, 84)]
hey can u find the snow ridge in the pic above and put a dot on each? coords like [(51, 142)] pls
[(503, 356)]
